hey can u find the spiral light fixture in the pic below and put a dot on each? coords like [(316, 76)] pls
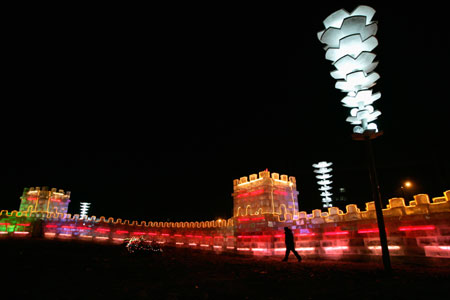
[(350, 39)]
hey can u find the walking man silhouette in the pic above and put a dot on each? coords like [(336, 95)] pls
[(290, 246)]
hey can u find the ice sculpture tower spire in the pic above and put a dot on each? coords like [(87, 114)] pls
[(350, 39), (322, 168)]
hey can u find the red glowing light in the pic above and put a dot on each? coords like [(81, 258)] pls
[(253, 193), (305, 234), (5, 224), (165, 234), (178, 235), (251, 219), (336, 233), (139, 232), (412, 228), (103, 229), (244, 236), (278, 192), (121, 231), (82, 228), (369, 230), (49, 226), (152, 233), (257, 192), (67, 227)]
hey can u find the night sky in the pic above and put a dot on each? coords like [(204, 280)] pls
[(150, 113)]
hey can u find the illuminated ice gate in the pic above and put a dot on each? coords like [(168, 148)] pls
[(264, 203)]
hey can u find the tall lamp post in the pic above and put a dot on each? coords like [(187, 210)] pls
[(349, 40)]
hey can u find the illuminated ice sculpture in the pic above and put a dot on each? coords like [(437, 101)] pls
[(349, 39), (84, 208), (323, 169)]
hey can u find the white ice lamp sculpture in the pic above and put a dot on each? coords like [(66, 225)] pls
[(84, 208), (323, 169), (349, 39)]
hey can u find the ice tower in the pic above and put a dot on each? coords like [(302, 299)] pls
[(265, 194), (43, 200)]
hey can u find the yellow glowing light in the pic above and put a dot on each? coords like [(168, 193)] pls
[(252, 181), (408, 184), (379, 247)]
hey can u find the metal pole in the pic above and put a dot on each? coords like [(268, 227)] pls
[(376, 196)]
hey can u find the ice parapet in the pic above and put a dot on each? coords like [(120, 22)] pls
[(349, 40)]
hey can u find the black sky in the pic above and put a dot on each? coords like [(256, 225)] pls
[(150, 113)]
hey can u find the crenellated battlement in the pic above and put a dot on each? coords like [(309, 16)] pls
[(35, 199), (268, 193), (32, 191), (256, 179), (396, 208), (420, 228), (264, 203)]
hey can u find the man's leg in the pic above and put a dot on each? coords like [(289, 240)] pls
[(287, 254), (296, 254)]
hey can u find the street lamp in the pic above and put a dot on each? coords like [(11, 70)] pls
[(407, 185), (349, 40)]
